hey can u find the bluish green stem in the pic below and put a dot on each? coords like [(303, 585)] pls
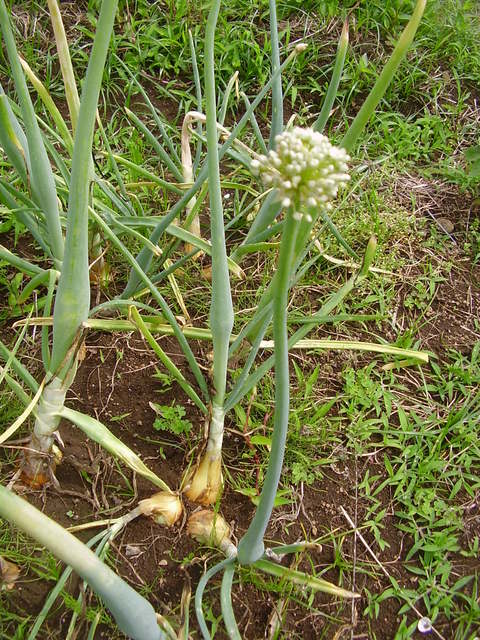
[(72, 301), (134, 615), (251, 546), (226, 603), (221, 309), (199, 594)]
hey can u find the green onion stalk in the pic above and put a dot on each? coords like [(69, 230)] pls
[(204, 484), (133, 614), (251, 546), (72, 300), (306, 170)]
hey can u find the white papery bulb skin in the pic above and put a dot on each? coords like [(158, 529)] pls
[(163, 507), (305, 168), (208, 527)]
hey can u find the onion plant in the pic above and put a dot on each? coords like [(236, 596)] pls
[(27, 152), (303, 171), (35, 160), (300, 172), (70, 255)]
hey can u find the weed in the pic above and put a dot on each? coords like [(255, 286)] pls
[(171, 419)]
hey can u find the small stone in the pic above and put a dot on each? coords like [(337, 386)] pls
[(424, 625), (446, 224)]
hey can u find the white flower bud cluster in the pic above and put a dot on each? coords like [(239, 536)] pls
[(306, 168)]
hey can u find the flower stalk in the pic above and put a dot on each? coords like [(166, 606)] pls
[(307, 171), (251, 546)]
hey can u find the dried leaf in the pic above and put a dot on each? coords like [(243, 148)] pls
[(9, 573)]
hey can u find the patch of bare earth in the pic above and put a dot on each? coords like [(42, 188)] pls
[(451, 319)]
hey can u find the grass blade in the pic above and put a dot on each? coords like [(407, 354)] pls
[(116, 171), (337, 235), (321, 121), (203, 245)]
